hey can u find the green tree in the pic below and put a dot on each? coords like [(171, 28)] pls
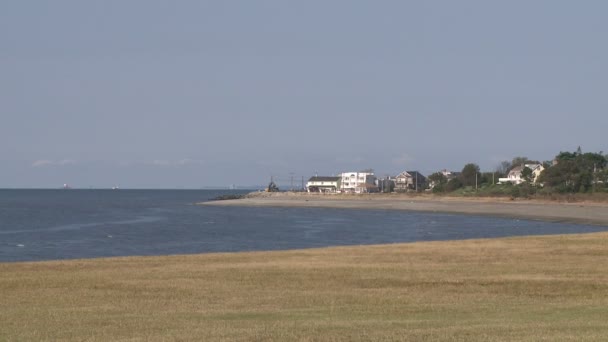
[(569, 155), (595, 160), (518, 161), (526, 174), (503, 168), (560, 177), (470, 174), (438, 181), (488, 178), (574, 171), (438, 178), (453, 184), (521, 161), (602, 179)]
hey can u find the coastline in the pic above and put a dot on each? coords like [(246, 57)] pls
[(579, 213), (514, 288)]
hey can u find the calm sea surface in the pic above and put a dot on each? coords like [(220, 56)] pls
[(68, 224)]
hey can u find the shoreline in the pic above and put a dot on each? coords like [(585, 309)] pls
[(579, 213)]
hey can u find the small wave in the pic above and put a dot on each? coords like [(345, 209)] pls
[(78, 226)]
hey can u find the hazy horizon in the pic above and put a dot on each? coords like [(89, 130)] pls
[(151, 94)]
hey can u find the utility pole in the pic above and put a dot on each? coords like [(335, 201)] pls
[(594, 175), (476, 180)]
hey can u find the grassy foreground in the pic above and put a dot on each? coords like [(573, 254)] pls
[(533, 288)]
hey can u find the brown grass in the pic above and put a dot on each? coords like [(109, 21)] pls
[(533, 288)]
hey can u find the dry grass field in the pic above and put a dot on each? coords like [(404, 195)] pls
[(533, 288)]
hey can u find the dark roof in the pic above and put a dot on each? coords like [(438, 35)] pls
[(416, 174), (323, 179)]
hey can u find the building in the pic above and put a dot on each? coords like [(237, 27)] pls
[(323, 184), (536, 171), (358, 182), (449, 175), (410, 180), (515, 175)]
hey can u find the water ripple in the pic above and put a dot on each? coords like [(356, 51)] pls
[(78, 226)]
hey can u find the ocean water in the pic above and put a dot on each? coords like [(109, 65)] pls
[(69, 224)]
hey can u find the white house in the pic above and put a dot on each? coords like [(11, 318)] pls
[(536, 171), (323, 184), (515, 177), (450, 174), (358, 182)]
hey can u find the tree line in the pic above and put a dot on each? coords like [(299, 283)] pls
[(568, 172)]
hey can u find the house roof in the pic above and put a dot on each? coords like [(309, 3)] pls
[(533, 166), (323, 179), (403, 174), (412, 174), (516, 171), (417, 174)]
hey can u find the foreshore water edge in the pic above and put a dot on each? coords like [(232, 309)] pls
[(581, 213)]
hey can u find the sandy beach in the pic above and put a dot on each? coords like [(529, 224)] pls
[(583, 213)]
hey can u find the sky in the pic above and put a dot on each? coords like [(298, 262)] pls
[(190, 94)]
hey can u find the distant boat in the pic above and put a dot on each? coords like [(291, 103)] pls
[(66, 186), (115, 188)]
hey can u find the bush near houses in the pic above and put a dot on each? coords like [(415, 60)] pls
[(577, 172), (568, 173)]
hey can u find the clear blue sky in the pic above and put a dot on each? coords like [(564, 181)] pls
[(144, 93)]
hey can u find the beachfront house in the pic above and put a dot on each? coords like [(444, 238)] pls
[(515, 175), (358, 182), (323, 184), (449, 175), (410, 180)]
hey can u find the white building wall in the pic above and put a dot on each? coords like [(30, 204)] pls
[(321, 184), (515, 177), (350, 181)]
